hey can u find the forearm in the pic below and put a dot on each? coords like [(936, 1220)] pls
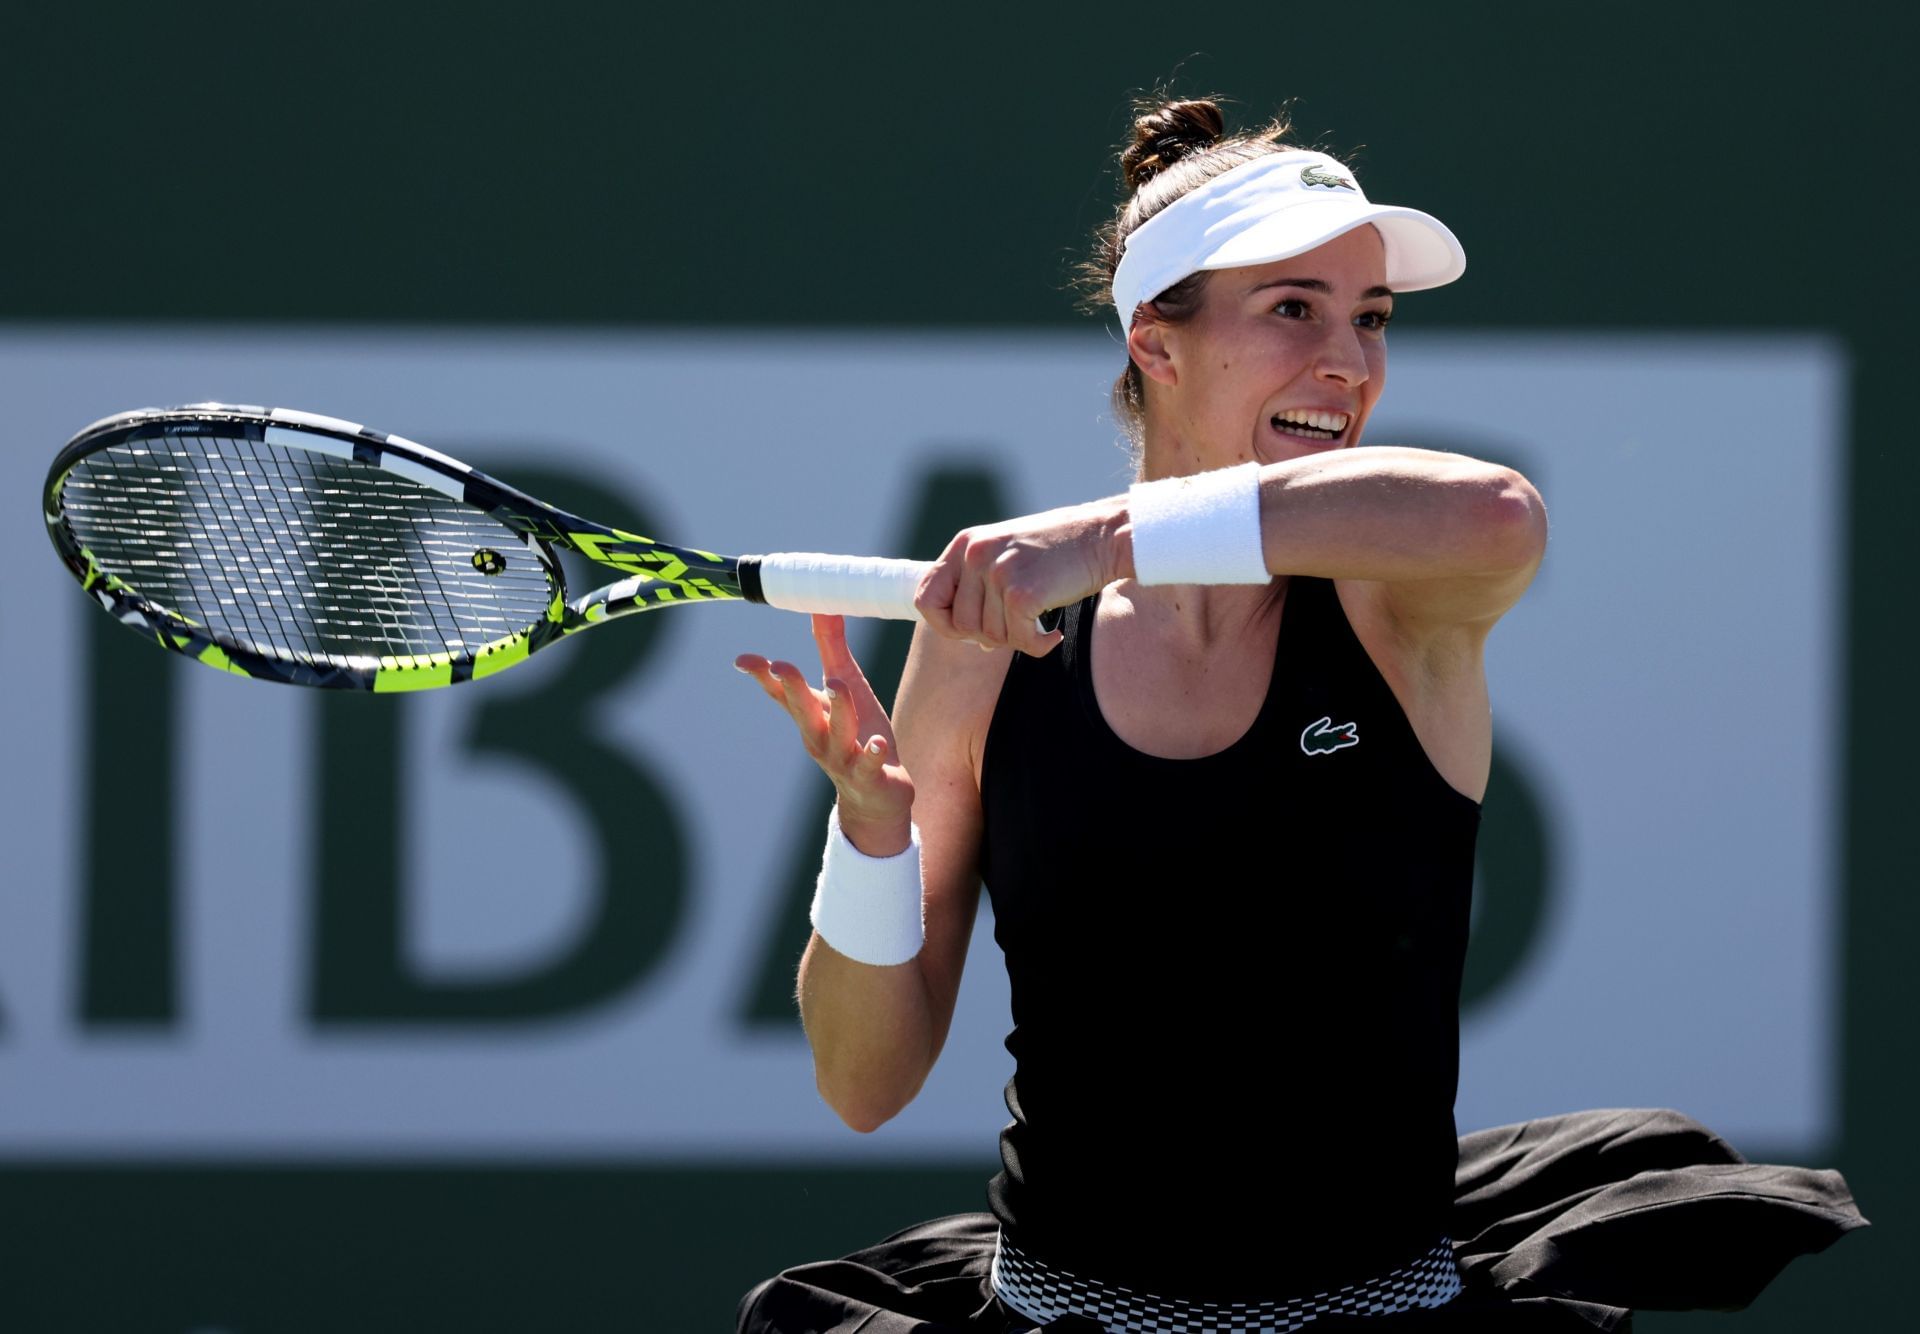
[(1389, 513), (1384, 514), (871, 1031)]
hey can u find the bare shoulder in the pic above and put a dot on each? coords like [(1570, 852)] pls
[(947, 697)]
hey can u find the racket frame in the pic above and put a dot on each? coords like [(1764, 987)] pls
[(658, 573)]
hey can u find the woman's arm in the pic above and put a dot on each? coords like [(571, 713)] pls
[(875, 1031), (1456, 538)]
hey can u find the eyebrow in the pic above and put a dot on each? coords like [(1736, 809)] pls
[(1315, 285)]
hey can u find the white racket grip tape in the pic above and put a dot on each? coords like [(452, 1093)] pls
[(813, 581), (869, 908)]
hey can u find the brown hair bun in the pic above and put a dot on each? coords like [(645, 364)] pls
[(1167, 133)]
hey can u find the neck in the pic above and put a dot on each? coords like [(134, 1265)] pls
[(1169, 453), (1198, 615)]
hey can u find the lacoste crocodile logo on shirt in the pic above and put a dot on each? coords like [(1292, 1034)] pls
[(1327, 736)]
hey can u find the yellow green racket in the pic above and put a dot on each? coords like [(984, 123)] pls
[(302, 549)]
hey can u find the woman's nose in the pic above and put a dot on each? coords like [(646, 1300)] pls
[(1342, 359)]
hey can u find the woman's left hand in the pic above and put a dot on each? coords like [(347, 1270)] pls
[(992, 582)]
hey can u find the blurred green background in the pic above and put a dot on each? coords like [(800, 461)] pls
[(1680, 166)]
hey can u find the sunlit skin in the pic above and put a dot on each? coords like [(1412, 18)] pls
[(1255, 349)]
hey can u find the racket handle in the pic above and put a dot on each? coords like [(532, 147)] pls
[(813, 581)]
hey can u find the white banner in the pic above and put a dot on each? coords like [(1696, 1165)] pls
[(1668, 690)]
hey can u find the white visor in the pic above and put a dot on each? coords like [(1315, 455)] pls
[(1275, 207)]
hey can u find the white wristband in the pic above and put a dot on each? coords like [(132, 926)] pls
[(1203, 529), (868, 908)]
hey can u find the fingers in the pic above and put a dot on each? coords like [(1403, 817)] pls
[(752, 664), (872, 786), (1026, 634), (934, 600), (838, 663), (836, 659), (953, 595), (980, 590), (969, 597), (872, 759), (993, 614), (841, 718), (804, 705), (829, 720), (768, 674), (830, 637), (787, 686)]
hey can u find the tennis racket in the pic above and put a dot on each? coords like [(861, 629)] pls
[(289, 547)]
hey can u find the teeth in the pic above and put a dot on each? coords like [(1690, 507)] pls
[(1335, 422)]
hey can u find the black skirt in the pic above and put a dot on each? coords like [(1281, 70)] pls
[(1566, 1223)]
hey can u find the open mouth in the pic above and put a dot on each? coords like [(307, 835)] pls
[(1309, 424)]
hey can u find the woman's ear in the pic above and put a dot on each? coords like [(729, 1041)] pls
[(1149, 344)]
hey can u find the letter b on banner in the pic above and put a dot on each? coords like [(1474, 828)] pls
[(361, 973)]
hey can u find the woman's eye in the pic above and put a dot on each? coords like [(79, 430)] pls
[(1293, 308), (1375, 320)]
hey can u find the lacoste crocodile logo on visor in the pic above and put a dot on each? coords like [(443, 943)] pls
[(1327, 736), (1324, 178)]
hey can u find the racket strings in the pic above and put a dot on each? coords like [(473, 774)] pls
[(298, 554)]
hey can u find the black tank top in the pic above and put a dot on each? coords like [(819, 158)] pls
[(1235, 979)]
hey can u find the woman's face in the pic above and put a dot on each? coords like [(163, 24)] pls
[(1281, 361)]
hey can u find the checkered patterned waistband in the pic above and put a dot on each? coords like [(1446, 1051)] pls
[(1043, 1293)]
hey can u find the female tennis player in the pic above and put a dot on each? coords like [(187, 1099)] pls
[(1226, 811)]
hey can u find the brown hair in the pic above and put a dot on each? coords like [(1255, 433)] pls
[(1175, 146)]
